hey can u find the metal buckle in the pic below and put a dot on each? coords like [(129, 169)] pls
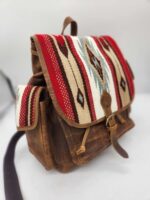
[(108, 119)]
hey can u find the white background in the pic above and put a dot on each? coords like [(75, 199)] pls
[(128, 21), (108, 177)]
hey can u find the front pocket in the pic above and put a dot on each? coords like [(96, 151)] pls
[(98, 138)]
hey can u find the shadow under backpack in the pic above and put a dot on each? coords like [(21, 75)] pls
[(74, 106)]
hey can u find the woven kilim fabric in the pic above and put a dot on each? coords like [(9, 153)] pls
[(79, 70), (26, 106)]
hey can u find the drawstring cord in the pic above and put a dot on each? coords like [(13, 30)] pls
[(82, 148)]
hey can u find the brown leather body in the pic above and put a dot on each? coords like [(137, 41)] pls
[(55, 143)]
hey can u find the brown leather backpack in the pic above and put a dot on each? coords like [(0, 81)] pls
[(75, 105)]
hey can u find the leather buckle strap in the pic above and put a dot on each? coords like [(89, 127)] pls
[(111, 123), (112, 127)]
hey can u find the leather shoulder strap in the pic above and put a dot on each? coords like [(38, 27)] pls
[(11, 182)]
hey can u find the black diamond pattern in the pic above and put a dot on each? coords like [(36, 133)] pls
[(95, 62), (123, 84), (80, 98)]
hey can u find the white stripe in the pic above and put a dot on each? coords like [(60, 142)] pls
[(95, 90), (111, 84), (29, 105), (20, 92)]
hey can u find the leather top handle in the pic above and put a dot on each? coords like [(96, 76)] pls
[(74, 26)]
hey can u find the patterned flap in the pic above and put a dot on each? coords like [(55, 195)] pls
[(27, 106), (78, 69)]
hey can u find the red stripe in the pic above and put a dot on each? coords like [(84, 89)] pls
[(55, 75), (123, 63), (33, 103), (24, 107), (85, 76), (119, 103)]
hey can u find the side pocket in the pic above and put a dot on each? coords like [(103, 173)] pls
[(39, 138), (33, 116)]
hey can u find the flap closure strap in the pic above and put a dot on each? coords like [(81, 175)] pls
[(111, 123)]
